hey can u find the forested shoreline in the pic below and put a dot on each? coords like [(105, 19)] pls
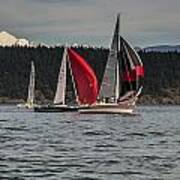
[(161, 82)]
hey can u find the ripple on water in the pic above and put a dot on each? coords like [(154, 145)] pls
[(66, 146)]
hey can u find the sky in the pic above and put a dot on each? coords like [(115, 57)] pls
[(143, 22)]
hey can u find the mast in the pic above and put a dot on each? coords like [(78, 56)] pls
[(117, 85)]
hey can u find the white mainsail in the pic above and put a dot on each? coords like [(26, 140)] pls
[(31, 87), (110, 83), (61, 85)]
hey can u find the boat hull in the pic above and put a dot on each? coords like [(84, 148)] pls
[(27, 106), (107, 109), (56, 109)]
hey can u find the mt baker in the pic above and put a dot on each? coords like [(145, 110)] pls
[(7, 39)]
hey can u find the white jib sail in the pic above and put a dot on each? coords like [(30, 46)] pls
[(31, 87), (61, 85)]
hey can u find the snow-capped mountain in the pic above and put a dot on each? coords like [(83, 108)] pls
[(7, 39)]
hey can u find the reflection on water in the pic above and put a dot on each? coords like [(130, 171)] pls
[(90, 147)]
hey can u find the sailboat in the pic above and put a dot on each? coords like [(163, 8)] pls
[(121, 84), (59, 103), (31, 90)]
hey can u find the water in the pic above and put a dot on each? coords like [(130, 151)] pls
[(90, 147)]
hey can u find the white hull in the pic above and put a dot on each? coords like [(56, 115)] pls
[(107, 109), (27, 106)]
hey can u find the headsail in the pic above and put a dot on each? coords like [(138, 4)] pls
[(31, 87), (131, 67), (85, 79), (61, 85), (110, 82)]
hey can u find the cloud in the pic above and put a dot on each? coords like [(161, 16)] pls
[(58, 1), (62, 2), (142, 20)]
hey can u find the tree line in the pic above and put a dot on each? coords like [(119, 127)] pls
[(162, 70)]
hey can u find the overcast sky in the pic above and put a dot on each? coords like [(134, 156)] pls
[(143, 22)]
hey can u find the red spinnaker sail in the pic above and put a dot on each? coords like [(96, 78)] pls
[(84, 77)]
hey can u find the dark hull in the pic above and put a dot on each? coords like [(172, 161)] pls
[(55, 109)]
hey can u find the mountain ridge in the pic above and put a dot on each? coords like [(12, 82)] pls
[(162, 48), (8, 39)]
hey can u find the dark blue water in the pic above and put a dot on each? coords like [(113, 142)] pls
[(90, 147)]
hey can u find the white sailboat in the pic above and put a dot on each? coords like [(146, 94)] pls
[(59, 103), (120, 86), (31, 90)]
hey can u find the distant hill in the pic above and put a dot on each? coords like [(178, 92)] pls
[(7, 39), (162, 48)]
